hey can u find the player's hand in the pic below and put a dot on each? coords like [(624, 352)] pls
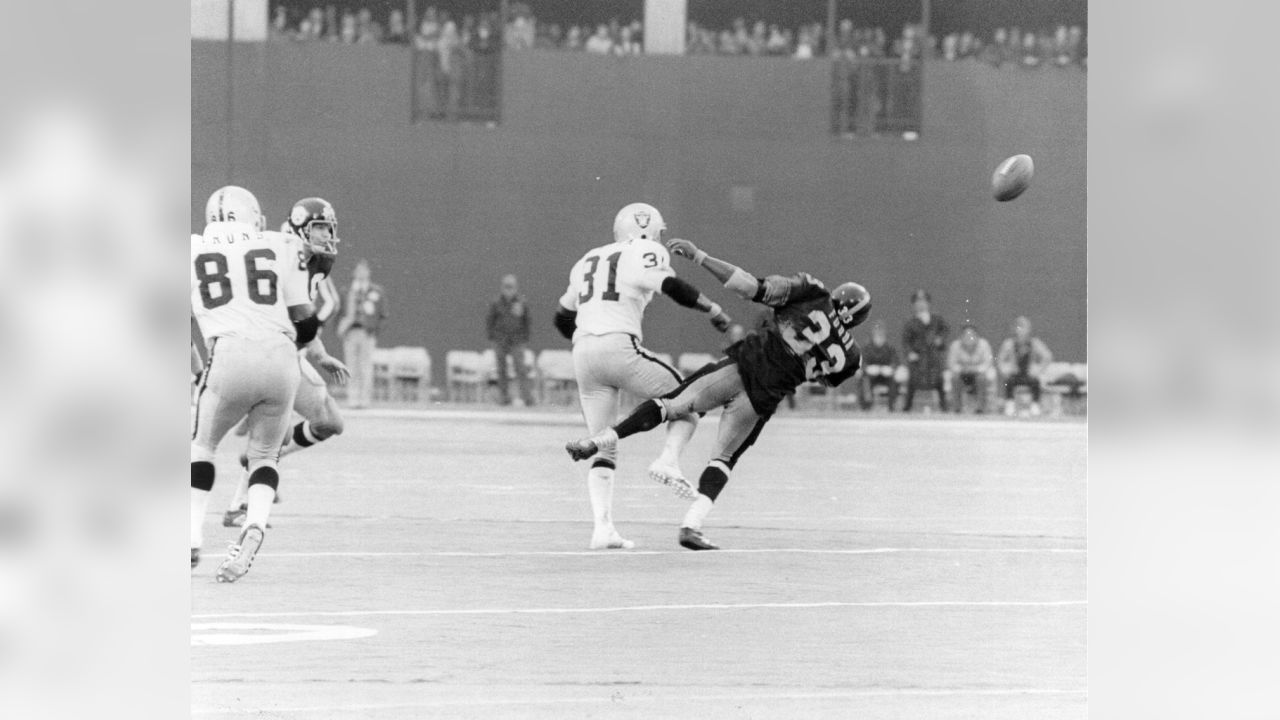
[(720, 321), (335, 368), (683, 248)]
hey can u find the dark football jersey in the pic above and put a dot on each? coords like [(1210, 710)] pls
[(807, 342), (323, 292)]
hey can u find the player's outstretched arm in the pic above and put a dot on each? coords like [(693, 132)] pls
[(685, 294)]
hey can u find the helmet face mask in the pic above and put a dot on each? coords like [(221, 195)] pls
[(314, 220), (638, 221)]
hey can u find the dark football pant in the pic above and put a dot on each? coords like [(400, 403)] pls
[(1022, 379), (719, 385)]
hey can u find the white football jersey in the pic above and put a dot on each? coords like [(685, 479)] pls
[(611, 286), (243, 280)]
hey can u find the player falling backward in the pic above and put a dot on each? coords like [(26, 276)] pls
[(602, 310), (250, 297), (811, 341), (314, 221)]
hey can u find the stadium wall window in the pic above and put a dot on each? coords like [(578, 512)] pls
[(876, 97)]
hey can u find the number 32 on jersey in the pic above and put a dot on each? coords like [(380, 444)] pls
[(819, 333)]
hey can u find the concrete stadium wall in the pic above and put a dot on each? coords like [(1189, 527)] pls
[(442, 211)]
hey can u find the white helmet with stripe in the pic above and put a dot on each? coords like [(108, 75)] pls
[(233, 203), (638, 221)]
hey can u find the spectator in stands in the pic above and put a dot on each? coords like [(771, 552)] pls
[(368, 29), (449, 75), (806, 48), (508, 330), (925, 339), (626, 45), (332, 30), (971, 368), (280, 22), (366, 310), (1022, 362), (880, 368), (396, 32), (573, 39), (600, 42), (348, 34)]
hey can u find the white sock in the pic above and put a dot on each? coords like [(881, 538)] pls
[(239, 497), (199, 503), (605, 438), (600, 487), (679, 432), (260, 497), (697, 512)]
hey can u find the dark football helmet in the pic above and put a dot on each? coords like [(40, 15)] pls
[(852, 302), (314, 220)]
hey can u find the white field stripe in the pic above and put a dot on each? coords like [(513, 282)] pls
[(1071, 427), (598, 553), (652, 608), (637, 698)]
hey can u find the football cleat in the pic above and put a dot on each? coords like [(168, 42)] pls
[(195, 557), (581, 449), (240, 555), (609, 539), (671, 476), (693, 539), (234, 518)]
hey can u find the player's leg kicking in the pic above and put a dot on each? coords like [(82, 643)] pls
[(321, 420), (715, 385)]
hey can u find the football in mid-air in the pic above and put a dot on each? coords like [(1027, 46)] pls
[(1012, 177)]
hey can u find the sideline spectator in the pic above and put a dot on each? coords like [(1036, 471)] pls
[(970, 368), (396, 32), (599, 43), (924, 338), (880, 367), (507, 327), (366, 309), (1023, 360)]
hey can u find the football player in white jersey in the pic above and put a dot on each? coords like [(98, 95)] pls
[(602, 310), (314, 221), (249, 296)]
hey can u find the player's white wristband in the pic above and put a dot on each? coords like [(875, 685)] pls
[(700, 256), (714, 310)]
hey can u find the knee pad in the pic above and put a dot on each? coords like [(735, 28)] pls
[(202, 475)]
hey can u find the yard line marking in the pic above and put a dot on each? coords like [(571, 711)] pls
[(650, 608), (669, 697), (743, 551)]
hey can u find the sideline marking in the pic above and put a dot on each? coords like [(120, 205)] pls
[(203, 634), (598, 553), (578, 700), (648, 608)]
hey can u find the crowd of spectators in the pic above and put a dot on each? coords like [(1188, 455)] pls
[(951, 371), (1063, 46)]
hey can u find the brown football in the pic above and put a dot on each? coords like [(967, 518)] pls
[(1012, 177)]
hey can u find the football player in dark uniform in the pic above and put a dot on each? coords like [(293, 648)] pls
[(315, 223), (810, 341)]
